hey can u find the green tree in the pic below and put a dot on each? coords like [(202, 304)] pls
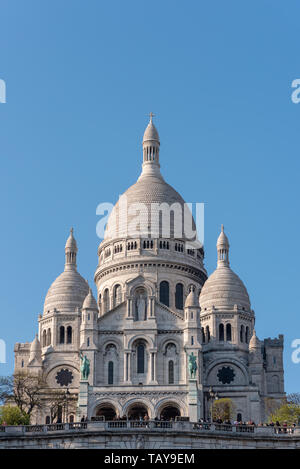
[(288, 412), (223, 409), (10, 415)]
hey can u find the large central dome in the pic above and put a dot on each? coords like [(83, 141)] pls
[(161, 210)]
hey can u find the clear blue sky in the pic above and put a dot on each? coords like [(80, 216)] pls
[(81, 77)]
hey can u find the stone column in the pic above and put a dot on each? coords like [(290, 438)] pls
[(194, 404), (153, 355), (83, 400), (127, 366)]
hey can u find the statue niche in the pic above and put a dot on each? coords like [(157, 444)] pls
[(140, 305)]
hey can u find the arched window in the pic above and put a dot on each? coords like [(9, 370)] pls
[(171, 372), (22, 364), (179, 296), (44, 338), (247, 335), (47, 421), (228, 332), (221, 332), (203, 335), (61, 335), (49, 337), (69, 335), (164, 293), (106, 300), (88, 341), (110, 372), (117, 295), (207, 333), (239, 417), (141, 358), (71, 419), (242, 333)]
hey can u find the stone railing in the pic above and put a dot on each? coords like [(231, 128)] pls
[(150, 425)]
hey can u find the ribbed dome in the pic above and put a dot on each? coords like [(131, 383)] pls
[(147, 190), (224, 289), (69, 290), (90, 302)]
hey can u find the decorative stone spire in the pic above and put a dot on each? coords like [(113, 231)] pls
[(35, 350), (151, 146), (223, 249), (254, 343), (70, 252), (192, 300), (90, 302)]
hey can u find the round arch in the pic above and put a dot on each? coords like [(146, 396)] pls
[(106, 404), (229, 361), (168, 409), (149, 341), (139, 403)]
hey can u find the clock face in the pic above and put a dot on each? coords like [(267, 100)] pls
[(226, 375), (64, 377)]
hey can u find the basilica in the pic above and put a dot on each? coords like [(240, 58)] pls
[(126, 353)]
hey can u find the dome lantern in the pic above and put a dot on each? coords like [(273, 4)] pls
[(70, 252), (223, 249), (151, 146)]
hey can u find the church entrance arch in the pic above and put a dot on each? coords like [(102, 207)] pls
[(137, 411), (107, 411), (169, 412)]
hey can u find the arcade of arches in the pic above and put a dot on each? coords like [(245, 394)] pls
[(138, 411)]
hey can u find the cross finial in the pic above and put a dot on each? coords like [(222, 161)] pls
[(72, 231), (151, 115), (222, 227)]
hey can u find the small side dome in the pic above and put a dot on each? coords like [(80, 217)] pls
[(90, 302), (35, 350), (192, 300), (35, 345), (254, 341)]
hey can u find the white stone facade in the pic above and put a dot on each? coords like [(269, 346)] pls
[(148, 318)]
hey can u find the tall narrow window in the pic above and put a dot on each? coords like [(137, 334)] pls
[(247, 335), (221, 332), (207, 333), (69, 335), (110, 372), (179, 296), (44, 338), (61, 335), (228, 332), (203, 335), (164, 293), (49, 337), (242, 332), (117, 295), (140, 358), (106, 300), (171, 372)]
